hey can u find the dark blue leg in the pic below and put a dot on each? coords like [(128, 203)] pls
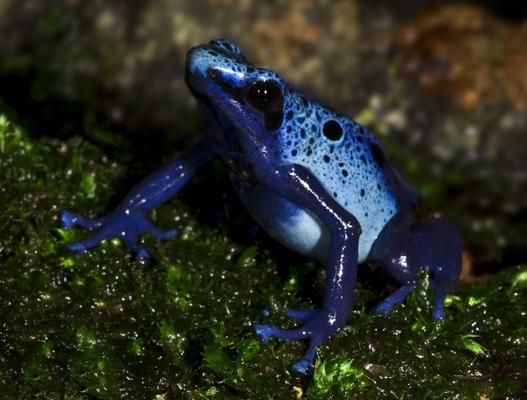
[(299, 185), (406, 245), (437, 244), (130, 219), (393, 250)]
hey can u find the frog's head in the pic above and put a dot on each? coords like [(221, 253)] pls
[(238, 94)]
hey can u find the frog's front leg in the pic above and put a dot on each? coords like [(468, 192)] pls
[(298, 185), (130, 219)]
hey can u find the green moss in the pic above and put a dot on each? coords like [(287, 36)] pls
[(103, 325)]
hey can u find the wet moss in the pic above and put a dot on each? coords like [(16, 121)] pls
[(477, 352), (103, 325)]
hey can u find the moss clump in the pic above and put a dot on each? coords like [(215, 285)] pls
[(103, 325), (479, 351)]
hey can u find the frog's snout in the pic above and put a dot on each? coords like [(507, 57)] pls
[(201, 58), (193, 60), (200, 61)]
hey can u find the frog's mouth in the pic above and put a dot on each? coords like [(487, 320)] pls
[(189, 78), (206, 104), (211, 111), (199, 95)]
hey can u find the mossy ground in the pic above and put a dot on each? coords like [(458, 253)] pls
[(103, 325)]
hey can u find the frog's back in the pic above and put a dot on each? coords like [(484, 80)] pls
[(349, 162)]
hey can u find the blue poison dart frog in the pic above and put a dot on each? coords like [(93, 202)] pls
[(316, 181)]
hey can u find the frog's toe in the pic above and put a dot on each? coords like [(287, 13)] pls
[(129, 238), (76, 247), (383, 308), (70, 220), (267, 311), (438, 314), (302, 366), (142, 253), (264, 332), (85, 244), (300, 315), (164, 234)]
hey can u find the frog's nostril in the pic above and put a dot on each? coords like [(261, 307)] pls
[(212, 73)]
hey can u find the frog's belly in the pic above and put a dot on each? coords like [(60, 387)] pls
[(294, 227)]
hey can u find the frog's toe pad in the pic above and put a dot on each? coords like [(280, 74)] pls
[(90, 242), (142, 254), (303, 367), (300, 315), (76, 247), (264, 332), (267, 311), (382, 309), (163, 234), (438, 314), (68, 219)]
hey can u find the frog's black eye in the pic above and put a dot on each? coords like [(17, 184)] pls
[(264, 95)]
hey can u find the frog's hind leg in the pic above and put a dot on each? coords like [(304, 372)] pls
[(405, 246), (437, 244)]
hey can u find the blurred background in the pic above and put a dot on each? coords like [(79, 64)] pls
[(442, 83)]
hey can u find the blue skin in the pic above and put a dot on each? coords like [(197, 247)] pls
[(315, 180)]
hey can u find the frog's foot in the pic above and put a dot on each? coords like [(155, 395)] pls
[(385, 306), (317, 326), (438, 307), (126, 227)]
